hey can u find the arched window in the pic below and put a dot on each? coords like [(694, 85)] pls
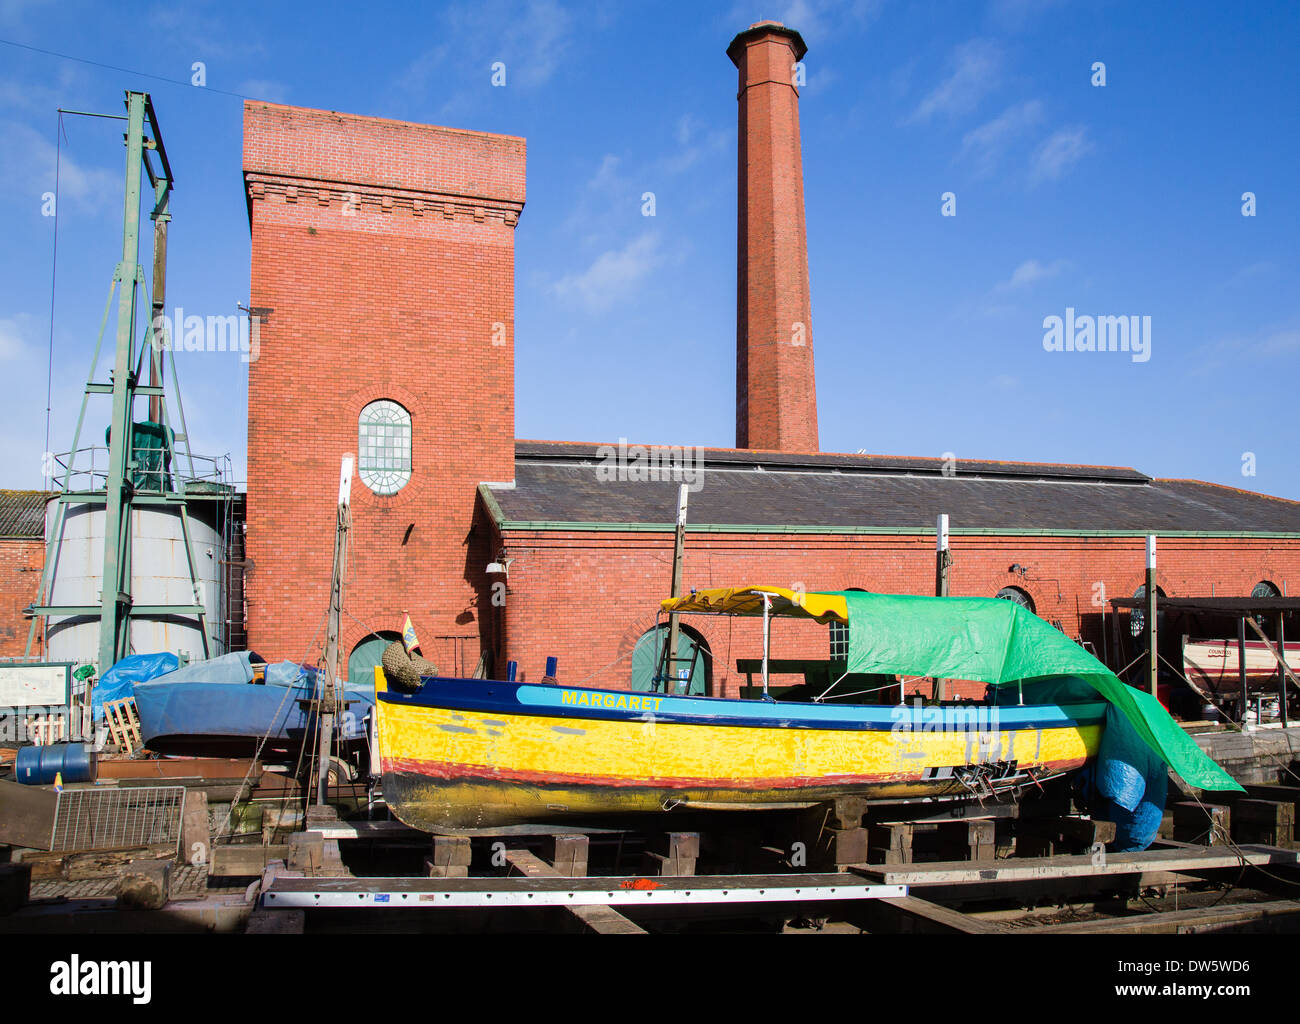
[(693, 656), (1137, 617), (384, 447), (1266, 589), (1016, 595)]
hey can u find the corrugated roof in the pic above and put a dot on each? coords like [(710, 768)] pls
[(559, 483), (22, 513)]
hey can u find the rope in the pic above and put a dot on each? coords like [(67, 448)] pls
[(261, 745), (125, 71)]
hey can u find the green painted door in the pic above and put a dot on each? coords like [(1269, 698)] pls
[(648, 650), (365, 656)]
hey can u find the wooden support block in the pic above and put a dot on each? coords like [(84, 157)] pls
[(567, 854), (1033, 845), (673, 853), (244, 860), (1166, 824), (889, 844), (981, 840), (276, 922), (196, 839), (451, 857), (306, 853), (145, 885), (15, 886), (848, 811), (1264, 821), (1191, 824), (1087, 832), (848, 846)]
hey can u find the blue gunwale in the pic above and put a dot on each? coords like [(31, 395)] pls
[(494, 696)]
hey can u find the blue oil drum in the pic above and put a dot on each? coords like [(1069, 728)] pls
[(38, 766)]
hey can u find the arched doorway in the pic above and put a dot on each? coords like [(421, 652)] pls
[(648, 652), (365, 656)]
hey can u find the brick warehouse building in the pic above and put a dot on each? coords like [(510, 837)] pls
[(395, 242), (398, 239)]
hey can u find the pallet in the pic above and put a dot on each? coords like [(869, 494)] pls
[(124, 724)]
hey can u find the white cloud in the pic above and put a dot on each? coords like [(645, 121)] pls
[(984, 146), (976, 67), (1031, 272), (612, 276), (815, 20), (533, 40), (1058, 153), (264, 89), (27, 166)]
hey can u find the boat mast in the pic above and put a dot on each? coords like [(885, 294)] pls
[(679, 551), (329, 701)]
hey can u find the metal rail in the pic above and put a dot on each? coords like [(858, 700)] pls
[(434, 893)]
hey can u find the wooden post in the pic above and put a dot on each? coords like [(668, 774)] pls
[(679, 551), (1241, 668), (1281, 669), (329, 698), (159, 302), (942, 561), (1153, 657)]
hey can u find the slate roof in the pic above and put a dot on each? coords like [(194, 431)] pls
[(22, 514), (557, 482)]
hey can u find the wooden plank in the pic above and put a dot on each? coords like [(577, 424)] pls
[(1182, 922), (928, 917), (248, 861), (601, 920), (1118, 864)]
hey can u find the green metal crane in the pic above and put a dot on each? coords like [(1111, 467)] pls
[(137, 475)]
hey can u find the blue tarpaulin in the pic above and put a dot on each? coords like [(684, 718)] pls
[(236, 667), (1134, 781), (119, 681), (216, 699)]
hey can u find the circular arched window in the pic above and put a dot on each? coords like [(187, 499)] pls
[(1137, 617), (384, 447), (1265, 589), (1016, 595)]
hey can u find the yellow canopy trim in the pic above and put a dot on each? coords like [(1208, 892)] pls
[(749, 601)]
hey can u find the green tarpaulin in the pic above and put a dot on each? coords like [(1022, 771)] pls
[(1003, 644)]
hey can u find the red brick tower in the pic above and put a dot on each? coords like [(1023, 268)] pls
[(383, 261), (776, 392)]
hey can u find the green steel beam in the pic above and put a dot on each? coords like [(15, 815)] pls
[(117, 506)]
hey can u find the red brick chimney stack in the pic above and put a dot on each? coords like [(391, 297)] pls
[(776, 391)]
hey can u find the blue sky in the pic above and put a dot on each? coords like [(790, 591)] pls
[(928, 330)]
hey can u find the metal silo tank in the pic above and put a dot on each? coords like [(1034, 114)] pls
[(159, 575)]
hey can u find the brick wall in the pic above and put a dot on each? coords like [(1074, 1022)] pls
[(21, 561), (776, 391), (587, 597), (385, 253)]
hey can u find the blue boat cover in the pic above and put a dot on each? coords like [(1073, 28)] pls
[(218, 698), (1134, 781), (119, 681)]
